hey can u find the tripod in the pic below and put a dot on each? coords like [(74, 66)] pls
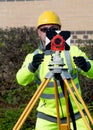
[(55, 67)]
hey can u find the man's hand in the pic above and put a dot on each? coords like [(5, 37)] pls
[(82, 63), (37, 59)]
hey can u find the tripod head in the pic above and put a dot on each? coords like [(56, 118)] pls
[(56, 63)]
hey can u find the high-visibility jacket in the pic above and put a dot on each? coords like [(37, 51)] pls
[(47, 100)]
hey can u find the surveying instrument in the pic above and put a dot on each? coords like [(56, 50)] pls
[(57, 72)]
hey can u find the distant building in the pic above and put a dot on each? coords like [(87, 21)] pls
[(75, 15)]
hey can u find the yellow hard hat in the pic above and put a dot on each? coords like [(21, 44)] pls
[(48, 17)]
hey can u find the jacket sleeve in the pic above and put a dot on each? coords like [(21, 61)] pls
[(75, 51), (24, 76)]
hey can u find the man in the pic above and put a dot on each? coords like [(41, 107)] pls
[(35, 67)]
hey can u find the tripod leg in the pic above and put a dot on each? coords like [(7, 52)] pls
[(75, 100), (65, 126), (91, 119), (31, 104), (67, 106), (57, 105)]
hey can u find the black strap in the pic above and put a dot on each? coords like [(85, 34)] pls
[(72, 114)]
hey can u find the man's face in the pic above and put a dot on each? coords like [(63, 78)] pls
[(43, 29)]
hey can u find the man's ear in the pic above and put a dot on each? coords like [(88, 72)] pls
[(38, 31)]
